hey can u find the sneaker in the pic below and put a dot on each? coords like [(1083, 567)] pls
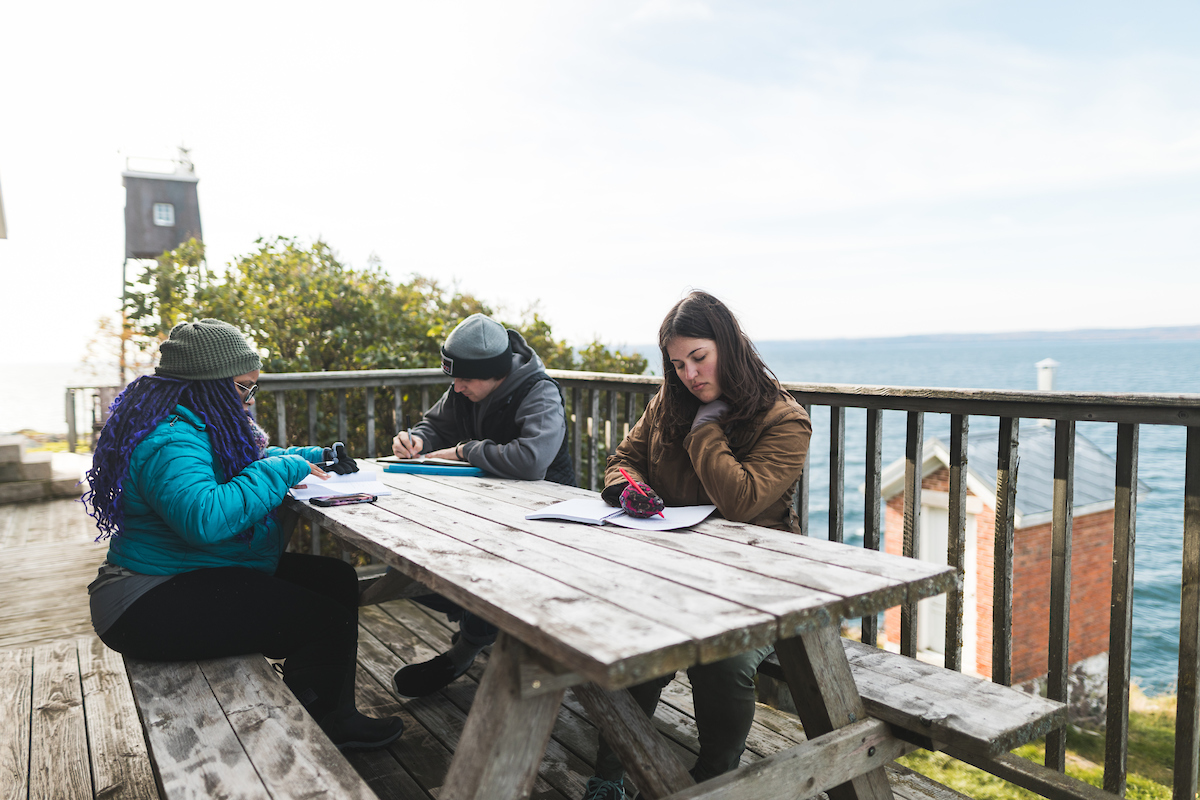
[(600, 789), (418, 680), (357, 731)]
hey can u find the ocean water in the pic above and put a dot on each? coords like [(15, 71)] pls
[(32, 397), (1116, 366)]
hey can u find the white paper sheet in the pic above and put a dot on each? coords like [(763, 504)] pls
[(361, 482)]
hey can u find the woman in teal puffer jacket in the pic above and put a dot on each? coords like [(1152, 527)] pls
[(187, 493)]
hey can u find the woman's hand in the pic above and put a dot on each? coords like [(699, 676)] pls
[(343, 464), (639, 500), (405, 446), (315, 470), (710, 412)]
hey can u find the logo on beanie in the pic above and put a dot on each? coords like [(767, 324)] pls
[(447, 364)]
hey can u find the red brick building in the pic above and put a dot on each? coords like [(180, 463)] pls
[(1091, 562)]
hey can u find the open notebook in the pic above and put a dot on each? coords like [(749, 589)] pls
[(594, 511)]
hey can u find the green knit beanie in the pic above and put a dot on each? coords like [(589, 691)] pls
[(205, 351)]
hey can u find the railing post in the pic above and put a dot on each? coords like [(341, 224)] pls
[(837, 473), (70, 409), (594, 441), (1187, 710), (956, 540), (577, 432), (370, 421), (1058, 649), (614, 435), (872, 531), (341, 412), (397, 410), (280, 418), (1120, 617), (914, 462), (1006, 507), (630, 410), (802, 494), (312, 416)]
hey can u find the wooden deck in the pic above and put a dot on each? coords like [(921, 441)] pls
[(48, 560), (66, 680)]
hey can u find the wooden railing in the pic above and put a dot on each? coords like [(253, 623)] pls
[(601, 407)]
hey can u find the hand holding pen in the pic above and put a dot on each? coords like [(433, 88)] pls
[(405, 445), (646, 506)]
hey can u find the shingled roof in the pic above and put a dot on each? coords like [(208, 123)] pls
[(1095, 474)]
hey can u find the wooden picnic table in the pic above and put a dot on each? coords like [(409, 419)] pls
[(601, 608)]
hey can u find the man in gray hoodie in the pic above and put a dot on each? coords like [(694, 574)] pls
[(505, 415)]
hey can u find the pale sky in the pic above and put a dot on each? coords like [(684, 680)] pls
[(830, 169)]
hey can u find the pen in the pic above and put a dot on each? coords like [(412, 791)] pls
[(633, 483)]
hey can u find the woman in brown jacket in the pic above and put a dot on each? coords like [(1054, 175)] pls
[(720, 431)]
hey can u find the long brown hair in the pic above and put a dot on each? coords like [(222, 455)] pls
[(747, 385)]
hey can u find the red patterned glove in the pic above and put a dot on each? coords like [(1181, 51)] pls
[(639, 505)]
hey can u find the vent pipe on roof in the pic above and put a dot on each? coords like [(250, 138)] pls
[(1045, 373), (1046, 368)]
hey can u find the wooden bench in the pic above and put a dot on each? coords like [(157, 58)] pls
[(932, 706), (230, 727)]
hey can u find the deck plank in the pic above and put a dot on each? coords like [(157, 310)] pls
[(50, 559), (16, 693), (58, 756), (120, 761)]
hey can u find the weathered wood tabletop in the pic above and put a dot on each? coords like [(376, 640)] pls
[(602, 607)]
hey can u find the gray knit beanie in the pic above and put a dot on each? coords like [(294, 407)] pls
[(478, 347), (205, 351)]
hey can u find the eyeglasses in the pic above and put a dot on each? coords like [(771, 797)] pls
[(247, 392)]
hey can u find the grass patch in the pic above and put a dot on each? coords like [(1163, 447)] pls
[(58, 447)]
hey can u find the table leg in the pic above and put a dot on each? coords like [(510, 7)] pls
[(633, 737), (822, 685), (505, 735)]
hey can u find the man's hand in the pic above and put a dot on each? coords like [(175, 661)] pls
[(405, 446)]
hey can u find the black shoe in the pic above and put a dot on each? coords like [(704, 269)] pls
[(359, 732), (418, 680), (600, 789)]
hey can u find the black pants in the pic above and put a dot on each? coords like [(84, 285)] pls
[(476, 631), (306, 613)]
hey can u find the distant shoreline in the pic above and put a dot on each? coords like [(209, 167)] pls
[(1171, 333)]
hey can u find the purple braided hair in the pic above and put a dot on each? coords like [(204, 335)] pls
[(137, 411)]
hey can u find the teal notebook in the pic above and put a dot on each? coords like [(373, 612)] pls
[(418, 468)]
